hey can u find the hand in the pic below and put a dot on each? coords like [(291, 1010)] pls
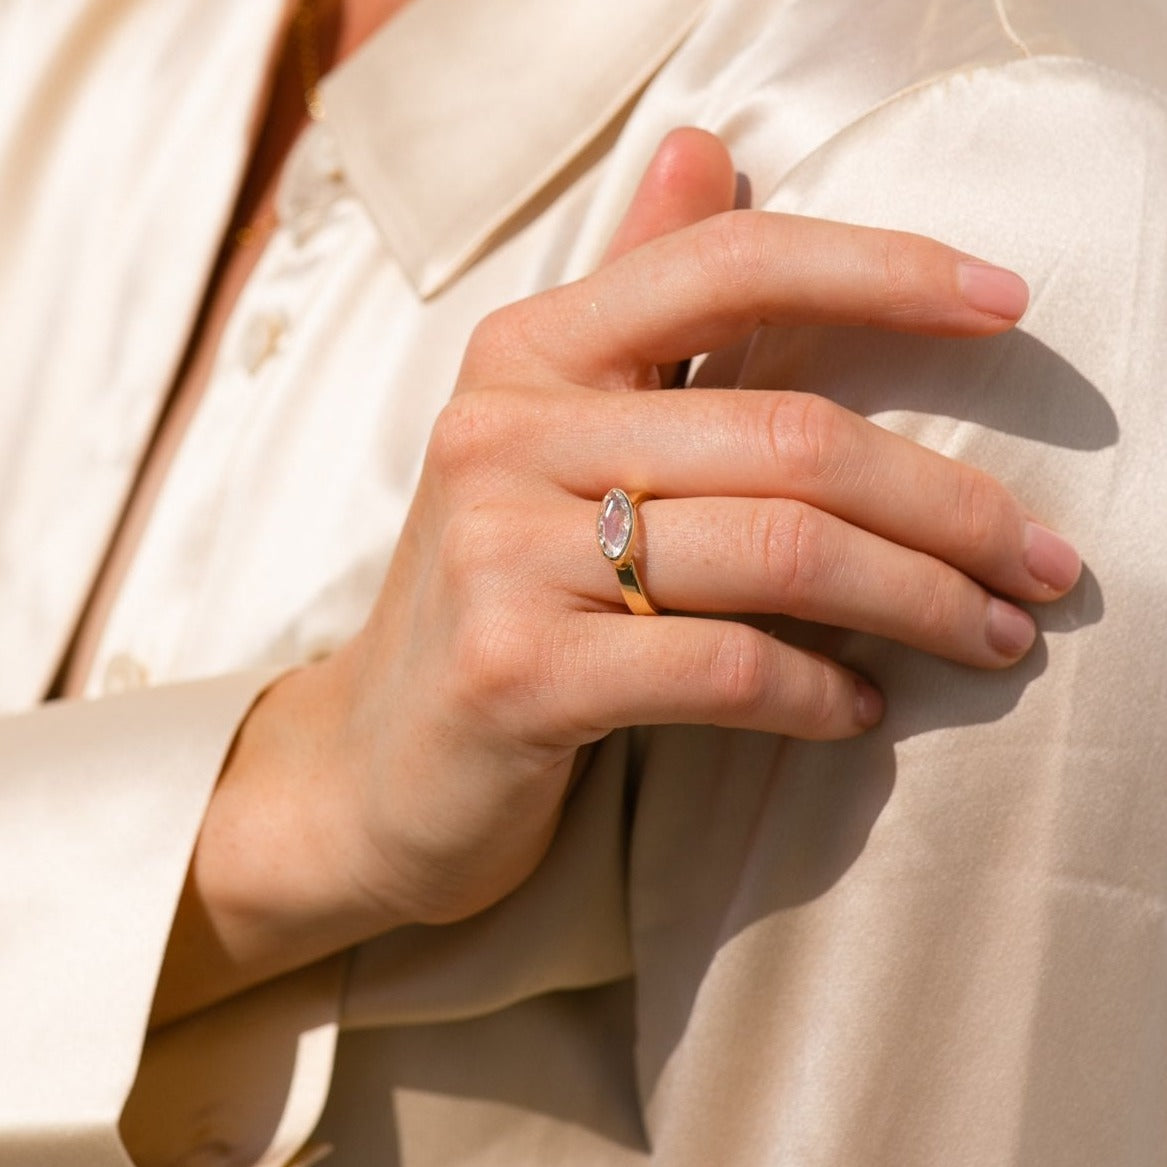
[(419, 774)]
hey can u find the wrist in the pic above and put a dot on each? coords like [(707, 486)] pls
[(270, 887)]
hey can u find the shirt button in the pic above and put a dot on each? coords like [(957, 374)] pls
[(313, 180), (261, 338), (124, 674)]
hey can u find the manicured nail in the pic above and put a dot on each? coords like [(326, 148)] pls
[(992, 290), (1011, 632), (1050, 559), (868, 704)]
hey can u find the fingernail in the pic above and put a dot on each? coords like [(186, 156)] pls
[(868, 704), (1050, 559), (1010, 631), (992, 290)]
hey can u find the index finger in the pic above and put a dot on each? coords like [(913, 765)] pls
[(711, 284)]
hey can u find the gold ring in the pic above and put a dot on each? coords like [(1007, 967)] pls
[(616, 526)]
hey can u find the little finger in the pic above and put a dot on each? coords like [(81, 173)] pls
[(654, 670)]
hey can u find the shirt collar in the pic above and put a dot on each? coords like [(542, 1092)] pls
[(456, 113)]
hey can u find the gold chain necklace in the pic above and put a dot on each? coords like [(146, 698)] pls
[(304, 26)]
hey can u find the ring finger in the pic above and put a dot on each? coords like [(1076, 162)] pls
[(786, 557)]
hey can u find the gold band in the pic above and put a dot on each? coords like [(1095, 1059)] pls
[(616, 529), (633, 591)]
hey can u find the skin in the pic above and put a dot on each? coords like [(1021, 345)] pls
[(419, 774)]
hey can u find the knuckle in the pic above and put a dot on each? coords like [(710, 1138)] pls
[(739, 671), (976, 511), (807, 437), (513, 666), (491, 662), (495, 341), (938, 608), (819, 703), (468, 555), (785, 538), (472, 430), (460, 431), (731, 249)]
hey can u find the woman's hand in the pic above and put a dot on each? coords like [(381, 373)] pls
[(419, 774)]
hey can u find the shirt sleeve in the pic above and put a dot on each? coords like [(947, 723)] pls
[(101, 805)]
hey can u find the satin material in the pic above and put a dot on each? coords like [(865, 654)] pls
[(941, 943)]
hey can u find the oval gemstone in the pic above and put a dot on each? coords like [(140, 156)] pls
[(614, 525)]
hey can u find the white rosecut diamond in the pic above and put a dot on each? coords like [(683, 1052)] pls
[(614, 525)]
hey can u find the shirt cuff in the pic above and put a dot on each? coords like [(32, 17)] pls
[(102, 803), (243, 1082)]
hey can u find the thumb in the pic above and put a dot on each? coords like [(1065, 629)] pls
[(690, 177)]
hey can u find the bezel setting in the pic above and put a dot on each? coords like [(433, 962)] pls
[(616, 525)]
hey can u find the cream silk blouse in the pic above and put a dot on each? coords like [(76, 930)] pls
[(942, 943)]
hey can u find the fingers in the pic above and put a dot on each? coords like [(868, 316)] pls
[(708, 285), (652, 670), (766, 502), (783, 557), (690, 177), (772, 445)]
